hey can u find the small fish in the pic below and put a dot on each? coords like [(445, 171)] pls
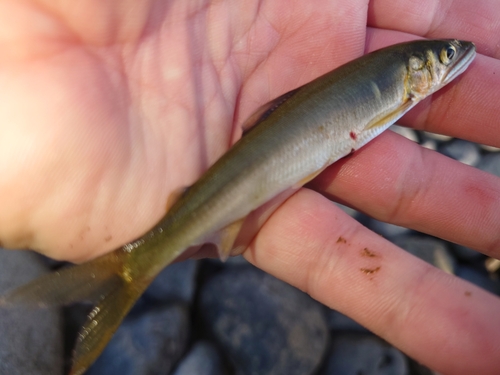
[(286, 143)]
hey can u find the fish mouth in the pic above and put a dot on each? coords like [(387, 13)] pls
[(461, 64)]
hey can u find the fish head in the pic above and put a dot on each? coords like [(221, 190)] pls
[(433, 64)]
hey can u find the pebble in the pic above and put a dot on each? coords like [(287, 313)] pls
[(31, 339), (149, 342), (177, 282), (405, 132), (464, 151), (436, 137), (430, 144), (202, 359), (490, 163), (264, 326), (481, 278), (466, 254), (490, 148), (348, 210), (364, 354), (387, 230), (339, 322), (432, 250)]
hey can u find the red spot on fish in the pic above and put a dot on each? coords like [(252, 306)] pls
[(353, 136)]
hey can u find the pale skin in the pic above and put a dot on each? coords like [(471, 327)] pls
[(107, 107)]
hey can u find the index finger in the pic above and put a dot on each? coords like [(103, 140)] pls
[(477, 21)]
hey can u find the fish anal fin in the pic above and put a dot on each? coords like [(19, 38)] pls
[(226, 238), (392, 116), (175, 196), (265, 110)]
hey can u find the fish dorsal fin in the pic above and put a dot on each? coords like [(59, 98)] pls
[(265, 110)]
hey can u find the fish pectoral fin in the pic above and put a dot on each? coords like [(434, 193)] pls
[(392, 116), (265, 110), (226, 237)]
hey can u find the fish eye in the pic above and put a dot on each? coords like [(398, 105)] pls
[(447, 54)]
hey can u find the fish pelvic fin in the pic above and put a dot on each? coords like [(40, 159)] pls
[(104, 281)]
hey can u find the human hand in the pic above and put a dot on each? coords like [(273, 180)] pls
[(102, 119)]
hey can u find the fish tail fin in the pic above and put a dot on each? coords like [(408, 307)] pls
[(104, 281), (102, 323)]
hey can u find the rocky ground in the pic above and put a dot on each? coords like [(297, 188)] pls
[(206, 317)]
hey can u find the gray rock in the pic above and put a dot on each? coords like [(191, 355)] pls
[(405, 132), (339, 322), (149, 342), (236, 261), (437, 137), (490, 163), (490, 148), (364, 354), (481, 279), (386, 229), (264, 326), (177, 282), (31, 339), (466, 254), (419, 369), (348, 210), (430, 144), (464, 151), (432, 250), (202, 359)]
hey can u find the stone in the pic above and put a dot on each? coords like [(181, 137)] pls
[(490, 148), (150, 341), (202, 359), (480, 278), (432, 250), (405, 132), (31, 339), (429, 143), (437, 137), (263, 325), (490, 163), (466, 254), (176, 282), (348, 210), (339, 322), (387, 230), (363, 354), (464, 151)]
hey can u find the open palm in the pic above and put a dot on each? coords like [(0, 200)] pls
[(107, 107)]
